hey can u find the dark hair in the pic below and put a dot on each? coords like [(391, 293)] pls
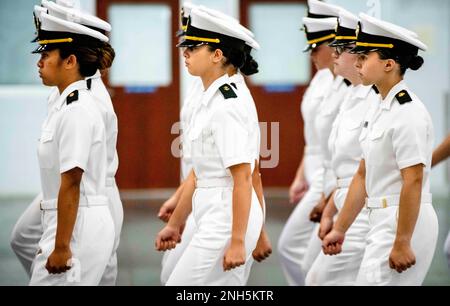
[(90, 58), (241, 59), (250, 65), (411, 61)]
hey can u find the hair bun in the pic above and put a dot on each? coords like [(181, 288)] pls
[(416, 62), (250, 66)]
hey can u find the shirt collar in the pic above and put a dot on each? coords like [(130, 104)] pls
[(237, 78), (78, 85), (95, 76), (387, 102), (212, 89), (362, 91)]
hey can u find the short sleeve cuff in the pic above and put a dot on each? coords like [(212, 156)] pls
[(237, 160), (71, 165), (411, 162)]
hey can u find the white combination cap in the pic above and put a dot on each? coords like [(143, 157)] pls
[(318, 31), (379, 34), (205, 28), (54, 30), (346, 29)]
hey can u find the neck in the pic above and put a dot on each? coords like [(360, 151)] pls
[(385, 85), (209, 77), (66, 82)]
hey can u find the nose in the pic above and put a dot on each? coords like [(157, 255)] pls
[(185, 53), (358, 63), (39, 63)]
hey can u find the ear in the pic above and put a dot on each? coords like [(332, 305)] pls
[(70, 62), (389, 65), (217, 56)]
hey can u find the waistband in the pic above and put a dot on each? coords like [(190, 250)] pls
[(394, 200), (344, 182), (85, 201), (312, 150), (110, 181), (226, 181)]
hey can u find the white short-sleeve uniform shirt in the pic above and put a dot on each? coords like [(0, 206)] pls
[(101, 95), (190, 102), (397, 136), (326, 115), (343, 142), (219, 132), (255, 134), (73, 136)]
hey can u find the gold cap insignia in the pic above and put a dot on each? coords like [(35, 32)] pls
[(358, 28)]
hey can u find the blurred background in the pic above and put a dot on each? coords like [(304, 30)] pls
[(147, 83)]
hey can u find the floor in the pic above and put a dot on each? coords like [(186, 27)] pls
[(139, 263)]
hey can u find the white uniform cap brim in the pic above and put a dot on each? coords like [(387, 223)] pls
[(202, 20), (348, 20), (187, 8), (51, 23), (38, 10), (320, 24), (374, 26), (76, 16), (322, 8)]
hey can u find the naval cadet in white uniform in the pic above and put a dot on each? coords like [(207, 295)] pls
[(393, 178)]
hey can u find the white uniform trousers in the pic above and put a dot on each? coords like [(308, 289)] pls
[(91, 245), (342, 269), (28, 231), (26, 234), (299, 244), (116, 208), (171, 257), (202, 261), (375, 268)]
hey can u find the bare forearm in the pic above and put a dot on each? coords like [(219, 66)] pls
[(257, 186), (409, 210), (353, 203), (442, 152), (184, 206), (242, 197), (300, 174), (68, 202), (330, 209)]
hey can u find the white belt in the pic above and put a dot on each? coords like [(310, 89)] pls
[(344, 183), (226, 181), (85, 201), (110, 181), (312, 150), (389, 201)]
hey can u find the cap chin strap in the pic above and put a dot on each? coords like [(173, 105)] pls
[(55, 41)]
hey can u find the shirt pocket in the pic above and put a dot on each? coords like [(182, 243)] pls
[(376, 134), (46, 154), (352, 124)]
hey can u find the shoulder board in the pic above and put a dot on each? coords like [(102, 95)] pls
[(347, 82), (403, 97), (234, 85), (72, 97), (227, 91)]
